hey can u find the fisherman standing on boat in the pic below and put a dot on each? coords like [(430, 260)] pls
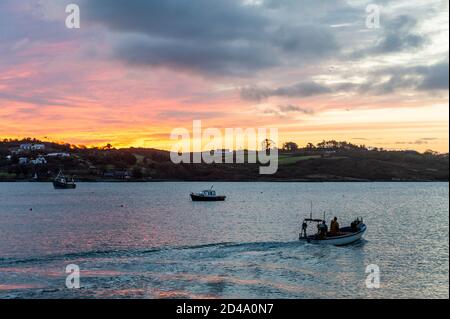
[(304, 227), (334, 227), (323, 230)]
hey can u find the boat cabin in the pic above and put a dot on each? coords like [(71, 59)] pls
[(208, 193)]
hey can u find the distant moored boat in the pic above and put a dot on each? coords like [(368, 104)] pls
[(61, 182), (207, 196)]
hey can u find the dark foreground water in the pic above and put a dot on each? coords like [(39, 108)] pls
[(150, 241)]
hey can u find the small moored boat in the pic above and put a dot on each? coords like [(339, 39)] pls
[(207, 196), (345, 236), (61, 182)]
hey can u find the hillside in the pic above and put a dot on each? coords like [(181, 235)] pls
[(20, 160)]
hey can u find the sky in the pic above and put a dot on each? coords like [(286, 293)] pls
[(137, 69)]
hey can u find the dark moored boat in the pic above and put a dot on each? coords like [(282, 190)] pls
[(207, 196), (61, 182)]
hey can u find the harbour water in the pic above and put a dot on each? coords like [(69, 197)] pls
[(148, 240)]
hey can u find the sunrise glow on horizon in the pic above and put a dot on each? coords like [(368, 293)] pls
[(133, 73)]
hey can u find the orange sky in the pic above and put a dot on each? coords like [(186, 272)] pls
[(78, 86)]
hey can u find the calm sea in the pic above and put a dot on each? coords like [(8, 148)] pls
[(148, 240)]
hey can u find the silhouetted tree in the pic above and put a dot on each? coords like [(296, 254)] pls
[(290, 147), (267, 144)]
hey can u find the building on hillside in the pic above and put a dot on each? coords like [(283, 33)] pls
[(26, 147), (32, 147), (39, 161), (38, 147), (58, 155)]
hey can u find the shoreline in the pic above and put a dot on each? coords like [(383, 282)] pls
[(234, 181)]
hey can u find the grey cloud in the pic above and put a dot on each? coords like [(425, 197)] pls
[(223, 58), (417, 142), (399, 36), (307, 40), (39, 99), (435, 77), (284, 110), (322, 12), (379, 82), (421, 78), (176, 19), (413, 78), (295, 109), (302, 89), (209, 37), (394, 42)]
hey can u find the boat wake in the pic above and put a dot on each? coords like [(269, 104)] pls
[(117, 253), (219, 270)]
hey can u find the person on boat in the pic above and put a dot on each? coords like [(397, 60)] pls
[(304, 227), (334, 227), (323, 230)]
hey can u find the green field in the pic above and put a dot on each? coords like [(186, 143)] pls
[(292, 159)]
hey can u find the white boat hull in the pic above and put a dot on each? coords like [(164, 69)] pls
[(339, 240)]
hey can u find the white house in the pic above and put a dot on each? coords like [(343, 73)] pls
[(39, 161), (32, 147), (58, 155), (23, 160), (26, 147), (38, 147)]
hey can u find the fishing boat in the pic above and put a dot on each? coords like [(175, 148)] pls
[(345, 235), (207, 196), (61, 182)]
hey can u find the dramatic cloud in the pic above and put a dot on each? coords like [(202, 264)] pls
[(399, 35), (378, 82), (435, 77), (416, 78), (137, 68), (216, 59), (220, 37)]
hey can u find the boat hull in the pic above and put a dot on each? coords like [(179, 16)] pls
[(58, 185), (197, 198), (343, 240)]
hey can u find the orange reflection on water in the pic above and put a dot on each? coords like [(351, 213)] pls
[(5, 287)]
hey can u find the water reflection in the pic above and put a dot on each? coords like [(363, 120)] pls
[(150, 241)]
